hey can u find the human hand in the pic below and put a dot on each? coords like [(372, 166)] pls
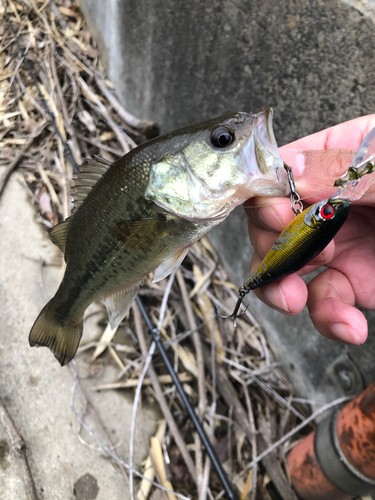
[(349, 280)]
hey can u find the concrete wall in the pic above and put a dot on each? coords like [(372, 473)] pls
[(179, 62)]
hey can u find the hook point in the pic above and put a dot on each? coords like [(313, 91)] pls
[(241, 294)]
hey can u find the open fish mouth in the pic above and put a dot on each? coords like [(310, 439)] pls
[(262, 160)]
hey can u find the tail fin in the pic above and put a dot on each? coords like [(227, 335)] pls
[(62, 337)]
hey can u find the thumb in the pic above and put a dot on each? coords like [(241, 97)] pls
[(315, 171)]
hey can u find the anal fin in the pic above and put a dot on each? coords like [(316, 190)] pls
[(118, 304), (169, 265)]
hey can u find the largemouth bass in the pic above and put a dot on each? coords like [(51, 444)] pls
[(299, 243), (143, 212)]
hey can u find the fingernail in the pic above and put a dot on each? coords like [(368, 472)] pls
[(295, 159), (274, 296), (340, 330), (298, 165), (345, 332), (265, 216), (360, 337)]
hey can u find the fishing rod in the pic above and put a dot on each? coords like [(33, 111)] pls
[(186, 401), (151, 327)]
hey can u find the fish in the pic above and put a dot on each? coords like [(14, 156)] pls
[(142, 213), (300, 242)]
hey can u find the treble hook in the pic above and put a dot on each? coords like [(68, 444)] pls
[(241, 294)]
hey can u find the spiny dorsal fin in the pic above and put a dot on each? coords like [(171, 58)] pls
[(59, 233), (103, 161), (89, 174)]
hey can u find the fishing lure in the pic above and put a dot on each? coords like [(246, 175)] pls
[(300, 242)]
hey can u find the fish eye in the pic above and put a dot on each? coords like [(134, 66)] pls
[(222, 136), (327, 211)]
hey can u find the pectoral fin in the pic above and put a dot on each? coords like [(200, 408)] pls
[(169, 265), (140, 234), (118, 304)]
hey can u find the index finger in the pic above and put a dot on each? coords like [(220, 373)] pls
[(319, 159), (347, 135)]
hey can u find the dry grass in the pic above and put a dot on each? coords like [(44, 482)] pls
[(237, 388)]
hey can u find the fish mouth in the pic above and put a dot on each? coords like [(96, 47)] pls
[(264, 138), (262, 160)]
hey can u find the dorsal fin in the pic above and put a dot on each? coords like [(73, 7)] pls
[(59, 233), (89, 173)]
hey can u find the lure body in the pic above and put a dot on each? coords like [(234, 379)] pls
[(300, 242)]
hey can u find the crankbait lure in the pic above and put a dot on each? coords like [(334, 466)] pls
[(300, 242)]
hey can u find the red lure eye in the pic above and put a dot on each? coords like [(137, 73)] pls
[(327, 211)]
